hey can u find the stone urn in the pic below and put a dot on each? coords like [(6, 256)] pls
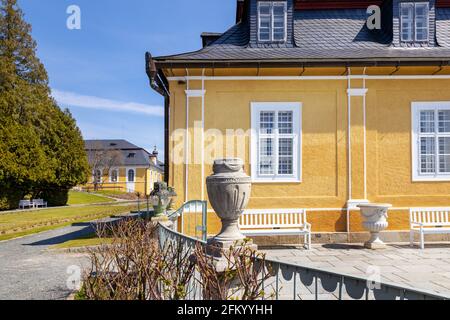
[(229, 192), (375, 220)]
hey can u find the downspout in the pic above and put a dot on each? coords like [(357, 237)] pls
[(159, 83), (349, 149), (203, 136), (186, 140), (365, 135)]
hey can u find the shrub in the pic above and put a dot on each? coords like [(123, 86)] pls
[(9, 199), (55, 197), (134, 266)]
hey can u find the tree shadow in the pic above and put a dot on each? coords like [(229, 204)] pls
[(343, 246), (89, 229)]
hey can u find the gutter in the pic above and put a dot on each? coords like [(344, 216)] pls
[(159, 83), (441, 62)]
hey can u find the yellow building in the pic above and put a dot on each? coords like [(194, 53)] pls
[(119, 165), (326, 112)]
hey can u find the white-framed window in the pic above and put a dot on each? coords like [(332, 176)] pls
[(114, 175), (414, 21), (431, 141), (276, 141), (272, 21), (131, 175), (97, 176)]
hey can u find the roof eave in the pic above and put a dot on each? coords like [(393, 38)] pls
[(375, 62)]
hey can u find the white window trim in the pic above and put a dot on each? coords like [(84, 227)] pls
[(271, 31), (110, 175), (416, 107), (296, 108), (414, 30), (134, 170)]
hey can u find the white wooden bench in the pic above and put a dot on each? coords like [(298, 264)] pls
[(39, 203), (25, 204), (270, 222), (428, 221)]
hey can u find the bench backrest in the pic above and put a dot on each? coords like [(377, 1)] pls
[(272, 218), (38, 201), (430, 216), (24, 202)]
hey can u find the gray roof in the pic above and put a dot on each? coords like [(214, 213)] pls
[(331, 35), (109, 145), (125, 153)]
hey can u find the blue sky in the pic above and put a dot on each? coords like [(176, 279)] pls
[(99, 71)]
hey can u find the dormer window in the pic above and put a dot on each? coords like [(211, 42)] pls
[(414, 21), (272, 21)]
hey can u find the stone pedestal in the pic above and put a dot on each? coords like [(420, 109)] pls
[(375, 220), (220, 249), (164, 220)]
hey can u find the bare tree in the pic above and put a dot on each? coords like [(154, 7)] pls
[(101, 161)]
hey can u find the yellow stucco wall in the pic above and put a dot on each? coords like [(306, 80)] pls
[(144, 180), (324, 186)]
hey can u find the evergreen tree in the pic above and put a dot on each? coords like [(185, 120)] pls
[(41, 148)]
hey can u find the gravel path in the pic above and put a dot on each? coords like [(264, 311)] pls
[(28, 271)]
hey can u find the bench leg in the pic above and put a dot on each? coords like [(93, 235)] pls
[(308, 241), (422, 241), (411, 238)]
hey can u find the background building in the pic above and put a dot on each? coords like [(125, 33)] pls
[(122, 166)]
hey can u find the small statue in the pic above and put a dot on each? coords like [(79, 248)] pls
[(161, 198)]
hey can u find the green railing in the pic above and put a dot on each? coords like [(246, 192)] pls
[(193, 219), (299, 282)]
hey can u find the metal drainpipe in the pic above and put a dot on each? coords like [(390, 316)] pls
[(349, 150), (203, 136), (186, 140), (365, 135), (159, 83)]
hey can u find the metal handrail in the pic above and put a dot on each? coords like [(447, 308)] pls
[(187, 208), (318, 282)]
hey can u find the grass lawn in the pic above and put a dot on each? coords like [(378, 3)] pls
[(76, 197), (17, 224), (111, 193)]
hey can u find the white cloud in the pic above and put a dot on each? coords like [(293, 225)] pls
[(70, 99)]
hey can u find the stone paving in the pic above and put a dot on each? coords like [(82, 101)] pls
[(400, 264), (29, 271)]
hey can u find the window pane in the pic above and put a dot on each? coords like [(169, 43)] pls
[(264, 35), (285, 147), (266, 156), (421, 21), (285, 122), (427, 121), (278, 35), (114, 176), (130, 175), (444, 120), (444, 155), (264, 21), (264, 8), (279, 19), (427, 155), (407, 11), (278, 10), (266, 122), (285, 152)]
